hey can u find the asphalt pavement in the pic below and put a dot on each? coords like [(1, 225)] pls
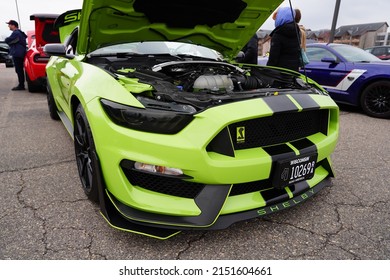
[(45, 215)]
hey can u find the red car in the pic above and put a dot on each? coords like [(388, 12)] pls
[(30, 37), (36, 60)]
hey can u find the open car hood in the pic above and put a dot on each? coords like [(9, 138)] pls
[(45, 32), (223, 25)]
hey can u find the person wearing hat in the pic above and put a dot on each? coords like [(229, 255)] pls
[(18, 48)]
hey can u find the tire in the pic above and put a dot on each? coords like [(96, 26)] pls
[(31, 86), (34, 86), (52, 104), (85, 155), (375, 99)]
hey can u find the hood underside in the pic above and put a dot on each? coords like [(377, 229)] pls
[(223, 25)]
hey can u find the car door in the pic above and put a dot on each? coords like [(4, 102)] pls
[(327, 69)]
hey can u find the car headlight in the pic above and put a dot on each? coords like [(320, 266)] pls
[(148, 120)]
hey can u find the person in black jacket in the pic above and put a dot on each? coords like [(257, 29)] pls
[(18, 48), (250, 51), (285, 47)]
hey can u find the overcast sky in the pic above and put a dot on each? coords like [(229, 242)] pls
[(316, 14)]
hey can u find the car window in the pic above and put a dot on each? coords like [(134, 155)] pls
[(379, 51), (50, 35), (354, 54), (316, 54)]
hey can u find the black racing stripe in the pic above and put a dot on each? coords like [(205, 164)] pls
[(273, 196), (306, 101), (279, 152), (326, 164), (299, 188), (305, 146), (280, 103)]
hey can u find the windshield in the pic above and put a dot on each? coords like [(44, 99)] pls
[(354, 54), (155, 48)]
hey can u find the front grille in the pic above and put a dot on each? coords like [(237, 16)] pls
[(162, 184), (278, 128)]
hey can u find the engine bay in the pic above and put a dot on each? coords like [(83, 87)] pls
[(200, 83)]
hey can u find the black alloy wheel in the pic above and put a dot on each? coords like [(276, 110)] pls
[(85, 154), (375, 99)]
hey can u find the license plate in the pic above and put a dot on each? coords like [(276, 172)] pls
[(294, 170)]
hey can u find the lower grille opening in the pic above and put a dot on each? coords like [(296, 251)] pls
[(161, 184), (182, 188)]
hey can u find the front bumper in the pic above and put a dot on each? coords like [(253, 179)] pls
[(128, 219), (223, 184)]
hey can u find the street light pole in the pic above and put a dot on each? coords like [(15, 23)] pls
[(334, 22), (17, 10)]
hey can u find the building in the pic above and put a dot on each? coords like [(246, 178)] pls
[(362, 35), (264, 42)]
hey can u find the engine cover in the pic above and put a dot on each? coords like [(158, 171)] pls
[(213, 83)]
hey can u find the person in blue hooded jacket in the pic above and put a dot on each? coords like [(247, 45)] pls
[(17, 49), (285, 47)]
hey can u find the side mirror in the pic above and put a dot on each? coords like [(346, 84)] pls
[(54, 49), (329, 60)]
